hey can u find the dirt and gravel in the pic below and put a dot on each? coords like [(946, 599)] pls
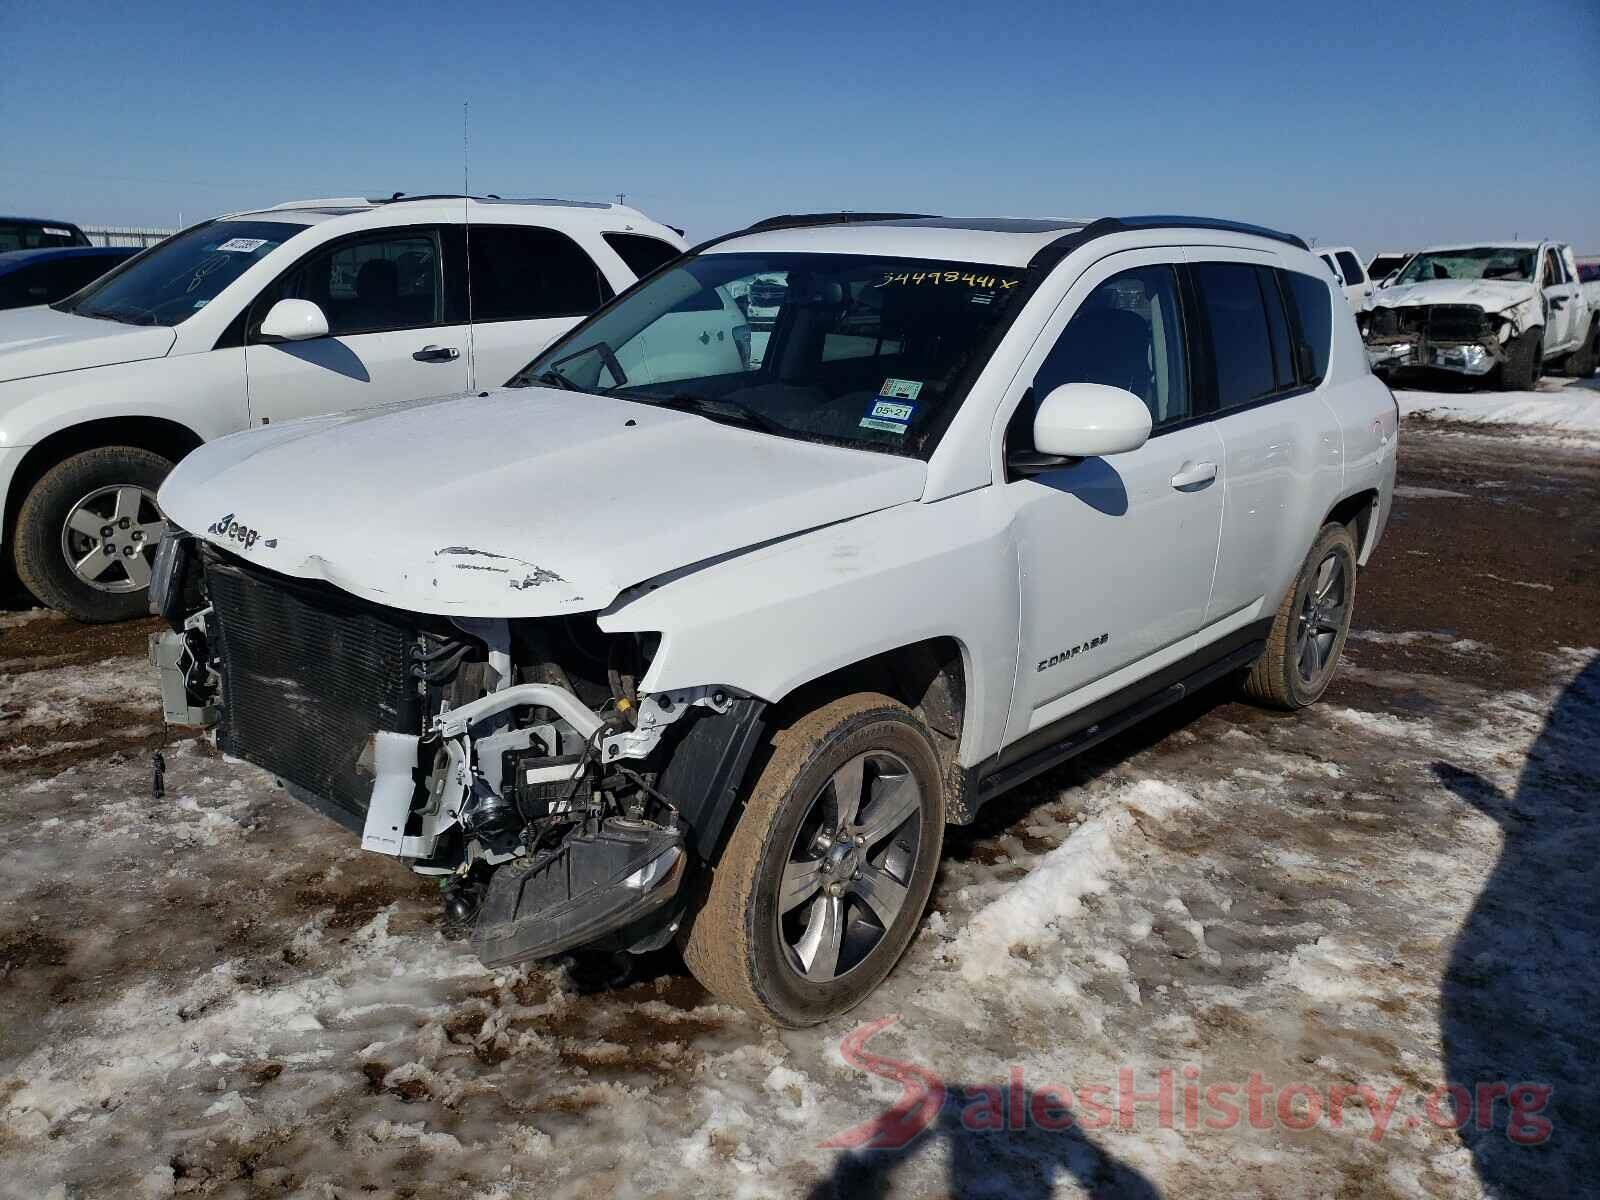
[(216, 993)]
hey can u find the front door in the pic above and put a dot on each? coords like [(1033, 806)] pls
[(1116, 553), (384, 297)]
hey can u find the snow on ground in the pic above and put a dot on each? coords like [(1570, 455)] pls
[(1566, 410), (221, 995)]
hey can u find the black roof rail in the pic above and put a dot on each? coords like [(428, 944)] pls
[(802, 220), (1050, 255)]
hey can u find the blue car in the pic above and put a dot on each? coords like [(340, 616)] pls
[(45, 276), (38, 233)]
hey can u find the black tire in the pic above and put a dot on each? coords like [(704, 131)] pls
[(42, 542), (1524, 360), (1582, 361), (1279, 678), (738, 941)]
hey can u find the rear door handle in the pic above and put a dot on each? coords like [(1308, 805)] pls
[(437, 354), (1194, 475)]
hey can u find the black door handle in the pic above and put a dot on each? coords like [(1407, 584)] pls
[(437, 354)]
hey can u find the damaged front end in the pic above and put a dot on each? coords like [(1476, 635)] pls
[(513, 758), (1462, 338)]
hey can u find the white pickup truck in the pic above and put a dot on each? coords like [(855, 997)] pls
[(1517, 309), (660, 640)]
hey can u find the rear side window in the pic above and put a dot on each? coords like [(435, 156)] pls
[(1350, 268), (1241, 341), (642, 254), (1313, 323), (522, 273)]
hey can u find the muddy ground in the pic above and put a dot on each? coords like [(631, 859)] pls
[(215, 993)]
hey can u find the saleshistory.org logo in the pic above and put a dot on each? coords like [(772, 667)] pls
[(229, 528), (1177, 1099)]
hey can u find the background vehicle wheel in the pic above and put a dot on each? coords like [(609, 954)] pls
[(87, 531), (825, 877), (1309, 631), (1524, 357), (1582, 361)]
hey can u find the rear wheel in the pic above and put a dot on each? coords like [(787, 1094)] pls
[(825, 877), (1309, 631), (88, 530), (1524, 358)]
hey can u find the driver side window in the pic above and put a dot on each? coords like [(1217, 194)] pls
[(1127, 333), (368, 285)]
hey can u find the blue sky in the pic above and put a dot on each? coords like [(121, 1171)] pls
[(1378, 124)]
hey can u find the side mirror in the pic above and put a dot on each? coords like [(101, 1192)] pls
[(1088, 420), (293, 321)]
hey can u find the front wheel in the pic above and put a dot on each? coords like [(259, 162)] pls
[(1524, 359), (88, 530), (1309, 631), (825, 877)]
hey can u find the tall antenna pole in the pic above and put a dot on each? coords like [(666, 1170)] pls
[(466, 227)]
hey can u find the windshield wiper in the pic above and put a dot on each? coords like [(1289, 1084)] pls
[(716, 409), (556, 379)]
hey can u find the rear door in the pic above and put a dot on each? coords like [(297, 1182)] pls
[(391, 336), (1281, 443), (1561, 293), (529, 286), (1116, 553)]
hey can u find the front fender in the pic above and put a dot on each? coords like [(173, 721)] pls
[(775, 618)]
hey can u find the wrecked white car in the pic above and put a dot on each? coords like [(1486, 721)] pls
[(665, 641), (1515, 308)]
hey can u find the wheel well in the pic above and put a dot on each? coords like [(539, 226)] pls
[(1356, 511), (166, 438), (928, 677)]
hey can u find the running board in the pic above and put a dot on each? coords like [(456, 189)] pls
[(1074, 741)]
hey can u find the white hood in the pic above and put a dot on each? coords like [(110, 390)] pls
[(525, 502), (1491, 295), (42, 341)]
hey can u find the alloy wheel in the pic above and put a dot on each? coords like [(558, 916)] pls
[(848, 870), (110, 537), (1322, 617)]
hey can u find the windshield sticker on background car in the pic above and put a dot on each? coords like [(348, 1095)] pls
[(52, 231), (901, 389), (242, 245)]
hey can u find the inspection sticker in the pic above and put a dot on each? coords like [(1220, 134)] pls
[(884, 426), (242, 245), (893, 412), (901, 389)]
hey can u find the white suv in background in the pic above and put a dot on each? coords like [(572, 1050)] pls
[(309, 307), (664, 641), (1345, 264)]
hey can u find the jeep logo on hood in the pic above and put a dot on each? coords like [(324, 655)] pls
[(227, 527)]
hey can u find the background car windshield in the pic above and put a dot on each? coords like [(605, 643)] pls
[(181, 276), (849, 349), (1485, 262), (33, 235)]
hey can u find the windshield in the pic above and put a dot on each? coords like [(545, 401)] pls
[(34, 235), (173, 281), (849, 349), (1482, 262)]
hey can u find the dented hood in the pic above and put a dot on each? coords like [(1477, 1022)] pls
[(1491, 295), (42, 341), (524, 502)]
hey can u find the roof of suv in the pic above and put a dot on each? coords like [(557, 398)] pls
[(1004, 241), (567, 213)]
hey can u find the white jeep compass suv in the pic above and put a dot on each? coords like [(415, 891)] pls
[(310, 307), (660, 642)]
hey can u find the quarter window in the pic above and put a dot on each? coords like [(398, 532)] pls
[(1128, 333), (522, 273), (367, 286), (1312, 310), (1241, 342), (641, 254)]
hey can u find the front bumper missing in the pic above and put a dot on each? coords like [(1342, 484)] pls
[(1473, 357)]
